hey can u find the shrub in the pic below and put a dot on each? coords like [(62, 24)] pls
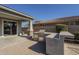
[(61, 27)]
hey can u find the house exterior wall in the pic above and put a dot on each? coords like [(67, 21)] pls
[(52, 28), (45, 27), (73, 28), (7, 13), (71, 22)]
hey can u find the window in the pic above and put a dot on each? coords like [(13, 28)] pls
[(25, 24)]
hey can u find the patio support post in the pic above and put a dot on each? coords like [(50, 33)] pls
[(31, 28)]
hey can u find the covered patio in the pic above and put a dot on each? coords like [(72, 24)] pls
[(12, 41), (11, 20)]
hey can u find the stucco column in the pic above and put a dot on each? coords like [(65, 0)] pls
[(31, 28), (19, 28)]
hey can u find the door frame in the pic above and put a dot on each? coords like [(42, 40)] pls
[(9, 21)]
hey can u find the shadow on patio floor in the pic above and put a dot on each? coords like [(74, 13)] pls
[(39, 47)]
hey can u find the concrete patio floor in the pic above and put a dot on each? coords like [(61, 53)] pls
[(71, 48), (15, 45)]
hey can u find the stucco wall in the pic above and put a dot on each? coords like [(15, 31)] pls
[(73, 28), (51, 28)]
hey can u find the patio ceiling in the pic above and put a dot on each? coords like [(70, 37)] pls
[(12, 16), (8, 13)]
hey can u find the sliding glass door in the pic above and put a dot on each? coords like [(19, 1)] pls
[(10, 28)]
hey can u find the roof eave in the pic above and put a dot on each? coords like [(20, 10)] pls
[(14, 11)]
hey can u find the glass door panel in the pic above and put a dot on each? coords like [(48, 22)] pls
[(10, 27)]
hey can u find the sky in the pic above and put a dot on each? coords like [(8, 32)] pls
[(47, 11)]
